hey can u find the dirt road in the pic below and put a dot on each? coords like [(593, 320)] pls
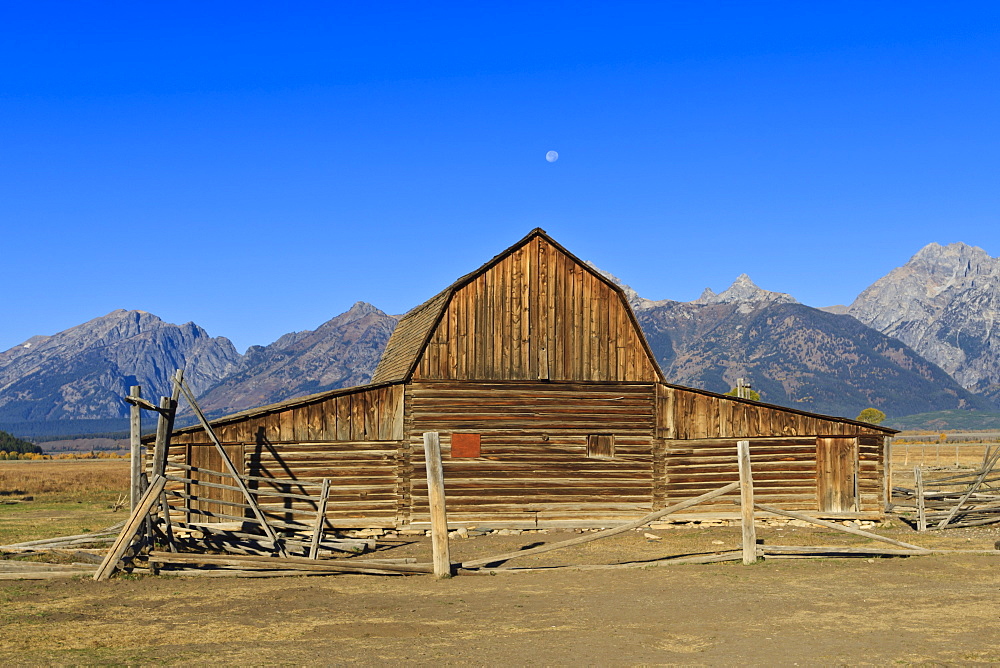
[(934, 609), (916, 610)]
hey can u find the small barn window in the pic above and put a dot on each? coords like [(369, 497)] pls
[(601, 446), (465, 445)]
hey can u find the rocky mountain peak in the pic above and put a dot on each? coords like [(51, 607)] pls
[(956, 261), (744, 291), (359, 310), (83, 371), (341, 352), (944, 303)]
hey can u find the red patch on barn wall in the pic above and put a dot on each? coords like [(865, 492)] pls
[(465, 445)]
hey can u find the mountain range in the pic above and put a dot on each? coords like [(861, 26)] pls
[(945, 304), (920, 339), (794, 355), (83, 372), (341, 352)]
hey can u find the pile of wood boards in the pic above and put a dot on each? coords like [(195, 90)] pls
[(85, 549), (64, 544), (241, 538)]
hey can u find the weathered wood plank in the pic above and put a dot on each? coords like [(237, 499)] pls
[(607, 532), (293, 563), (135, 522), (746, 503), (438, 513), (135, 446), (838, 527)]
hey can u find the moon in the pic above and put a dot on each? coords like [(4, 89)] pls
[(551, 156)]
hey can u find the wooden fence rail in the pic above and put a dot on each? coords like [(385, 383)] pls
[(683, 505)]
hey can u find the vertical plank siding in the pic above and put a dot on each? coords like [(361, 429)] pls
[(872, 473), (207, 498), (533, 467), (686, 414), (537, 314), (362, 414)]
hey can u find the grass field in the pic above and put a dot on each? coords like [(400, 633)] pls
[(944, 455), (66, 497)]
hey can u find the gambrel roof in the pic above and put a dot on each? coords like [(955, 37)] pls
[(585, 332), (504, 296)]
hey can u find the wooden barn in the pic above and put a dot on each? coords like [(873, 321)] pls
[(552, 411)]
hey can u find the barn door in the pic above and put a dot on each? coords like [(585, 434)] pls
[(837, 474)]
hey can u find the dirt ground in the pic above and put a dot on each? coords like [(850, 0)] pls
[(917, 610), (938, 609)]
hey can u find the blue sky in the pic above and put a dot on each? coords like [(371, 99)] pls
[(257, 168)]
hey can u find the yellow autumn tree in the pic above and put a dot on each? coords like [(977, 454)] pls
[(871, 415)]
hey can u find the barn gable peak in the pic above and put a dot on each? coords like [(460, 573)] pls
[(533, 312)]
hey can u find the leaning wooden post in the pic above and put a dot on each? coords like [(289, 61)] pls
[(131, 528), (839, 527), (324, 498), (161, 446), (135, 441), (435, 495), (918, 484), (164, 426), (746, 503), (614, 531)]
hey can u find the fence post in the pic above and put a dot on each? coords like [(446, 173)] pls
[(324, 497), (135, 443), (918, 484), (746, 503), (435, 494)]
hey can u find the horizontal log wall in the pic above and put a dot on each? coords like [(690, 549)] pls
[(365, 487), (688, 414), (784, 472), (873, 478), (533, 466), (353, 438), (364, 477), (537, 314)]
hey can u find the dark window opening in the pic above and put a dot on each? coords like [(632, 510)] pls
[(601, 446)]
